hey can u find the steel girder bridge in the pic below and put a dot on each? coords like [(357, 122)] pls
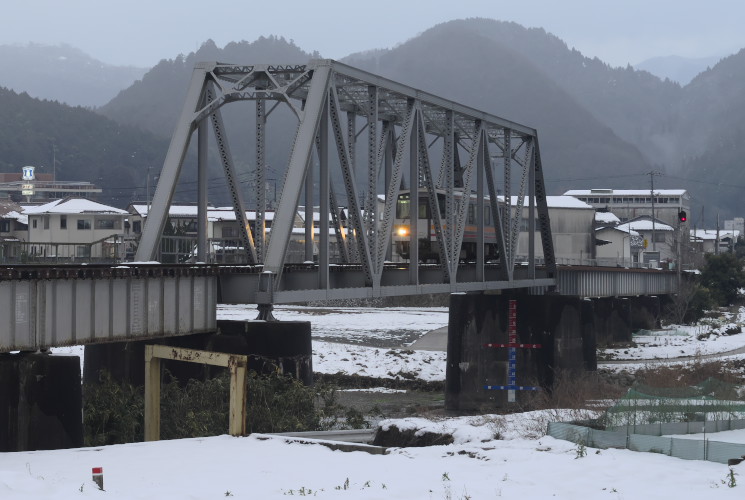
[(376, 135)]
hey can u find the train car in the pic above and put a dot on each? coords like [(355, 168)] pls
[(428, 245)]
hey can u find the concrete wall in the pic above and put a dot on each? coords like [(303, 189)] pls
[(40, 402)]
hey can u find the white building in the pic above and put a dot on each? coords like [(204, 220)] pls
[(658, 241), (629, 204), (74, 228)]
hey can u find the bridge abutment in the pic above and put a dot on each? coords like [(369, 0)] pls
[(40, 402)]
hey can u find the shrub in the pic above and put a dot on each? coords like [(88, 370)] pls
[(114, 411)]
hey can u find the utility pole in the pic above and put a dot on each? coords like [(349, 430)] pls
[(651, 192)]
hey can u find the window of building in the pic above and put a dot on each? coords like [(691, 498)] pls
[(83, 251), (137, 227), (4, 226), (63, 222), (105, 223), (230, 232), (659, 237), (45, 219), (84, 224), (34, 223)]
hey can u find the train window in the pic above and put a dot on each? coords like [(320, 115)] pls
[(487, 215), (403, 207), (471, 214), (423, 208)]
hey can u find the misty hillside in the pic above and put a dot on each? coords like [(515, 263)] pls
[(573, 141), (599, 126), (89, 147), (63, 73), (154, 103), (499, 79)]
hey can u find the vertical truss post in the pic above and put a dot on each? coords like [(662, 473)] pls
[(202, 187), (309, 222), (260, 226), (373, 161), (507, 157)]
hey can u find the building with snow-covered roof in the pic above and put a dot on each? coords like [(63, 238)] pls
[(572, 223), (74, 228), (658, 240), (628, 204), (713, 241)]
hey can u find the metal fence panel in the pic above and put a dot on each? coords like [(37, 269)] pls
[(721, 452), (688, 449), (650, 444)]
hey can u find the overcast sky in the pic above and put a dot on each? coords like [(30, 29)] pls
[(142, 32)]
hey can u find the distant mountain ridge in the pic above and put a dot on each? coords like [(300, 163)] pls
[(676, 68), (599, 126), (64, 74)]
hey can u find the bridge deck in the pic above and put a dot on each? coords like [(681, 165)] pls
[(79, 304), (84, 304)]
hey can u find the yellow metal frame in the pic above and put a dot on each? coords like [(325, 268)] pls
[(237, 364)]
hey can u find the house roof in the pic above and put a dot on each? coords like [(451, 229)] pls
[(644, 224), (711, 234), (621, 229), (72, 206), (606, 218), (626, 192), (190, 211), (554, 202)]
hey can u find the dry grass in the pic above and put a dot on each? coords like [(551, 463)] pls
[(586, 391), (689, 374)]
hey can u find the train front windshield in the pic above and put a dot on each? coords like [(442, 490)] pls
[(403, 207)]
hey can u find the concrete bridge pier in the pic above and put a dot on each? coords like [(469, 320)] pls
[(40, 402), (564, 326), (612, 320), (283, 346)]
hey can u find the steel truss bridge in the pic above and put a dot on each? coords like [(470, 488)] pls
[(376, 135)]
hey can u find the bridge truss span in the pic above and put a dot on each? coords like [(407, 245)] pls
[(362, 144)]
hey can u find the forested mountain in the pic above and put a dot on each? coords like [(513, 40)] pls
[(599, 126), (63, 73), (154, 103), (89, 147)]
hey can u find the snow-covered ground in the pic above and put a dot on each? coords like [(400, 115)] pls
[(523, 464), (476, 466)]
